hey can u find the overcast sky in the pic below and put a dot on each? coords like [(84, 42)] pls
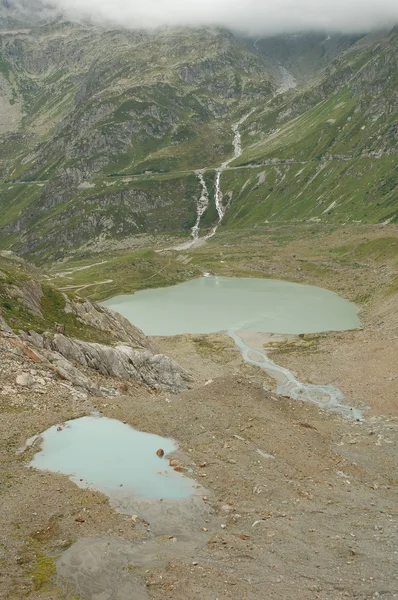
[(253, 16)]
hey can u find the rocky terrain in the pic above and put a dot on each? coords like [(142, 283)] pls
[(110, 141), (297, 500), (132, 356)]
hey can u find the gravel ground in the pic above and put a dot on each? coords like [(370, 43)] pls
[(300, 503)]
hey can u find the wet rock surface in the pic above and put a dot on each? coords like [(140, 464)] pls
[(108, 567)]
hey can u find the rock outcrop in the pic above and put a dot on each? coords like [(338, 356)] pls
[(103, 347), (122, 362), (110, 322), (36, 318), (4, 326)]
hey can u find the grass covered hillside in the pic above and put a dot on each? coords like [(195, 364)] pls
[(328, 154), (28, 301), (104, 132), (90, 104)]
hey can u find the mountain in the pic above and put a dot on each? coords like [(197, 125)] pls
[(104, 130), (85, 103), (304, 54), (329, 154)]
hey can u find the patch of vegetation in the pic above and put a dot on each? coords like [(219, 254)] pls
[(333, 191), (392, 288), (129, 272), (19, 316), (218, 349), (309, 344), (41, 567)]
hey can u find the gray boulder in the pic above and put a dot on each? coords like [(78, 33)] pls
[(124, 362), (25, 380)]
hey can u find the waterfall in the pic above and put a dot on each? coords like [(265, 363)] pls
[(218, 196), (287, 82), (203, 203)]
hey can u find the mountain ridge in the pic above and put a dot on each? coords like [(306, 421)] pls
[(107, 144)]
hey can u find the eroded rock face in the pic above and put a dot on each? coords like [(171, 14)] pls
[(30, 293), (66, 370), (122, 362), (128, 355), (109, 321), (4, 326)]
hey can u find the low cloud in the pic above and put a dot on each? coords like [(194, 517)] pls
[(251, 16)]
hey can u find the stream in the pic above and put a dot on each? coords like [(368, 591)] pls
[(244, 308), (287, 385), (203, 201), (218, 195)]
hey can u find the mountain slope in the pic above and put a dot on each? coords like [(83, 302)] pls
[(63, 333), (328, 154), (98, 102), (304, 54), (107, 129)]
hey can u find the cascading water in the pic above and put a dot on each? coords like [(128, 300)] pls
[(218, 196), (203, 203), (287, 82), (201, 206)]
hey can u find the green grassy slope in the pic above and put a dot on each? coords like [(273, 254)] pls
[(41, 307), (328, 154), (114, 124)]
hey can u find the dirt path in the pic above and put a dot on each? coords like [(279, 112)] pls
[(78, 288)]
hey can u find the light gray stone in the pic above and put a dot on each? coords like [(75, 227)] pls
[(25, 380), (123, 362)]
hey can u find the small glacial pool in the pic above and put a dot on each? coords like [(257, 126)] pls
[(113, 458)]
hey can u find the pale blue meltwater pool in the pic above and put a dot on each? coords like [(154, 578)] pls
[(212, 304), (113, 458), (239, 307)]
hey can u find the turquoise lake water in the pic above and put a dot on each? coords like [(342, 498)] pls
[(109, 456), (238, 305), (112, 457), (212, 304)]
